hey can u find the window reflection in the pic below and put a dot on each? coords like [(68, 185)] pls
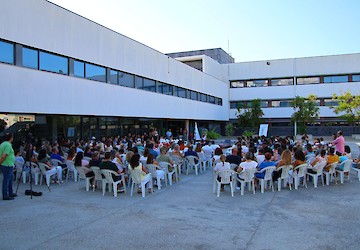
[(53, 63), (307, 80), (113, 76), (335, 79), (203, 97), (193, 95), (237, 84), (30, 58), (257, 83), (149, 85), (79, 69), (94, 72), (126, 79), (7, 52), (168, 89), (356, 78), (282, 82), (139, 82), (181, 92)]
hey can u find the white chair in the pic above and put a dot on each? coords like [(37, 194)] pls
[(233, 166), (346, 166), (357, 170), (331, 174), (300, 172), (19, 168), (168, 174), (179, 162), (136, 179), (82, 176), (192, 162), (108, 174), (87, 158), (248, 178), (35, 171), (318, 168), (267, 177), (156, 174), (70, 168), (97, 176), (203, 160), (226, 177), (284, 175), (47, 173)]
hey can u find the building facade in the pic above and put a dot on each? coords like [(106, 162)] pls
[(80, 79)]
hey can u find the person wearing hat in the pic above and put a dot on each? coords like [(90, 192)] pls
[(7, 162)]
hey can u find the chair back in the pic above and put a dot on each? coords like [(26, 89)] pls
[(81, 172), (70, 165), (191, 160), (347, 165), (143, 162), (165, 166), (87, 158), (216, 162), (108, 175), (97, 173), (225, 176), (268, 173), (233, 166), (152, 169), (19, 165), (136, 175), (201, 156), (332, 167), (285, 171), (42, 167), (33, 166), (177, 160), (248, 174), (300, 171), (55, 162), (319, 167)]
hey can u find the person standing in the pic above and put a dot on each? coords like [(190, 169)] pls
[(7, 162), (339, 143)]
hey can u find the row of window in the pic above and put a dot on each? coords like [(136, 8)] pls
[(281, 103), (299, 81), (46, 61)]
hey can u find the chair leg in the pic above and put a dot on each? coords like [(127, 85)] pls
[(232, 189), (87, 184), (262, 184), (143, 189), (279, 184), (242, 187), (114, 189), (218, 189), (103, 187), (158, 182)]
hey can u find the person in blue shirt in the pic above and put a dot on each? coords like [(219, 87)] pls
[(266, 163), (190, 151)]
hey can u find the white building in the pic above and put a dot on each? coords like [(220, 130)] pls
[(76, 75)]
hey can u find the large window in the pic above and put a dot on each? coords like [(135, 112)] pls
[(282, 82), (193, 95), (113, 76), (94, 72), (79, 69), (149, 85), (356, 78), (30, 58), (7, 52), (257, 83), (180, 92), (203, 97), (126, 79), (237, 84), (168, 89), (53, 63), (139, 82), (335, 79), (307, 80)]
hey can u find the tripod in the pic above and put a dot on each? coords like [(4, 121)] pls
[(28, 157)]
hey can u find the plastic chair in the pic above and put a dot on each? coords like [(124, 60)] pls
[(203, 160), (169, 174), (267, 177), (136, 179), (46, 173), (226, 177), (70, 168), (87, 158), (300, 172), (356, 170), (179, 162), (82, 176), (192, 162), (249, 178), (284, 175), (97, 176), (346, 165), (319, 167), (156, 174), (108, 174), (329, 175), (18, 168)]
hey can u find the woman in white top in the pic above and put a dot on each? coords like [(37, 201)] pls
[(222, 165), (249, 163)]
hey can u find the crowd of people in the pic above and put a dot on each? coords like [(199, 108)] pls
[(130, 152)]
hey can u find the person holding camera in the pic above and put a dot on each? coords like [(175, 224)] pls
[(7, 162)]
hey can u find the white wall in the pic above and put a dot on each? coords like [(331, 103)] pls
[(46, 26)]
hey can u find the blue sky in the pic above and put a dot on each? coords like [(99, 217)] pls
[(250, 30)]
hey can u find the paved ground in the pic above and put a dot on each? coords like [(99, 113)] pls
[(186, 215)]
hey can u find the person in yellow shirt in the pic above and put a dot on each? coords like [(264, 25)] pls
[(331, 158)]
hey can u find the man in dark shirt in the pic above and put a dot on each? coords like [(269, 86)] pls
[(106, 163), (95, 159), (233, 158), (191, 152)]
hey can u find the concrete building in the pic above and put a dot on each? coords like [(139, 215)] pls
[(81, 79)]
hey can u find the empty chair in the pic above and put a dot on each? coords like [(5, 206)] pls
[(70, 168), (136, 176), (331, 174), (318, 168), (192, 162), (344, 168), (357, 170), (267, 177), (226, 177), (165, 166), (300, 172), (284, 175), (82, 176), (247, 177), (108, 179)]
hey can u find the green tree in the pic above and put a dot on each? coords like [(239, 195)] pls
[(250, 117), (306, 111), (229, 129), (349, 107)]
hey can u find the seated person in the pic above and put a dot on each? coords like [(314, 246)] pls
[(319, 159), (190, 151), (106, 163), (249, 163), (266, 163), (331, 158), (222, 165)]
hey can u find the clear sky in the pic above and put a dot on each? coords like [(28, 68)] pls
[(249, 29)]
